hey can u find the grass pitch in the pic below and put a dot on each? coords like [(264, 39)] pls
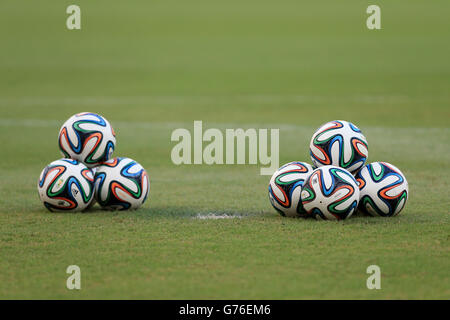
[(151, 67)]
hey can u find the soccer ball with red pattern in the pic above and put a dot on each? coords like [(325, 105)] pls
[(330, 193), (66, 185), (88, 138), (121, 184), (339, 143), (383, 189), (285, 188)]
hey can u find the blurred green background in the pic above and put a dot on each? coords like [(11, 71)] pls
[(298, 61)]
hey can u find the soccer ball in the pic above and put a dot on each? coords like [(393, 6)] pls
[(66, 185), (339, 143), (87, 137), (330, 193), (383, 189), (121, 184), (285, 187)]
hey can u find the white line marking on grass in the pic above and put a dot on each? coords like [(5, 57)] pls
[(36, 123), (202, 100), (214, 216)]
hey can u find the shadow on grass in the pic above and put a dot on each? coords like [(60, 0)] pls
[(159, 212), (170, 212)]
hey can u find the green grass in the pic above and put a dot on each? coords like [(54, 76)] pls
[(152, 66)]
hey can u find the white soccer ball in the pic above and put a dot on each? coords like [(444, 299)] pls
[(330, 193), (383, 189), (66, 185), (121, 184), (285, 188), (87, 137), (339, 143)]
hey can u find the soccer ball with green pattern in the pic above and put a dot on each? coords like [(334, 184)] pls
[(383, 189), (330, 193), (66, 185), (339, 143), (87, 137), (285, 187), (121, 184)]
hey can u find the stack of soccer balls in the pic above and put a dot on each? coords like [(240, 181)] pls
[(339, 183), (87, 172)]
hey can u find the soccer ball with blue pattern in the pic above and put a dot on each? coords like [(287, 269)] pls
[(285, 188), (66, 185), (88, 138), (339, 143), (330, 193), (383, 189), (121, 184)]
